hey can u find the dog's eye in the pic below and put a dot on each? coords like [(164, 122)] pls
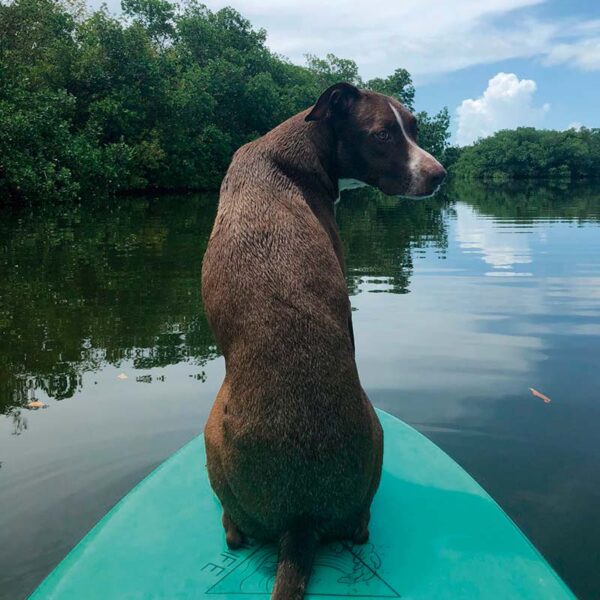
[(382, 136)]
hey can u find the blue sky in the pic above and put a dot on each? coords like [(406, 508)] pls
[(570, 88), (493, 63)]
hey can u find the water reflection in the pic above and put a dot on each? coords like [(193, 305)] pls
[(86, 286), (503, 251), (89, 286), (504, 295), (382, 236)]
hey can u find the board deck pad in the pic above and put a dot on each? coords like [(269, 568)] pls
[(435, 534), (349, 570)]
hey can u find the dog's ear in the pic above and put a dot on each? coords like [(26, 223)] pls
[(337, 99)]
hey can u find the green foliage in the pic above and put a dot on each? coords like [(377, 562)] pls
[(156, 16), (531, 153), (160, 98), (332, 69), (451, 155), (434, 132), (399, 85)]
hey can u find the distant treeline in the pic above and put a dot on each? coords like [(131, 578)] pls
[(158, 98), (528, 153)]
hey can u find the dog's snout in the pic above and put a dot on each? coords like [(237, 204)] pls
[(438, 176)]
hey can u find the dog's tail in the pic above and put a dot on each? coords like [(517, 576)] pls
[(297, 549)]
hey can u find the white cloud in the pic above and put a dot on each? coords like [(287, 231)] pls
[(427, 37), (508, 102), (584, 54)]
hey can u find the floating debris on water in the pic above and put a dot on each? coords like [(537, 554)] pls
[(199, 376), (122, 376), (35, 404), (540, 395)]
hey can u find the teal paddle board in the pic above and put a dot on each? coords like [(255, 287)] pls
[(435, 534)]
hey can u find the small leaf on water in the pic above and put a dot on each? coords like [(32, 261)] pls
[(35, 404), (540, 395)]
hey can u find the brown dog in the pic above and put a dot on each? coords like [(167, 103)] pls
[(293, 445)]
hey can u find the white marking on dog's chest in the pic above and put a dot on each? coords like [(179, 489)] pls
[(350, 184)]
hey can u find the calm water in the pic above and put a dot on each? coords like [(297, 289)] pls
[(461, 305)]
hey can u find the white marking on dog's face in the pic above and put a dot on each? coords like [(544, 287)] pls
[(419, 160)]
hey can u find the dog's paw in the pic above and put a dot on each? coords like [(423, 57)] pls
[(234, 539), (233, 536)]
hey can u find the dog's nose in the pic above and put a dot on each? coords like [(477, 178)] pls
[(438, 176)]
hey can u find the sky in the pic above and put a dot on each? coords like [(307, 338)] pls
[(495, 64)]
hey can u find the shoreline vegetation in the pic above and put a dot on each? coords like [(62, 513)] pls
[(158, 99), (527, 153)]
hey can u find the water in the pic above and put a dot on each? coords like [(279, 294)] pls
[(461, 305)]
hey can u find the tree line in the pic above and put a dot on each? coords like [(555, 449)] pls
[(159, 97), (529, 153)]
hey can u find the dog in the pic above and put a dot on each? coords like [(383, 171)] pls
[(294, 448)]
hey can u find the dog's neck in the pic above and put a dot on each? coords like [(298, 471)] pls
[(307, 153), (322, 138)]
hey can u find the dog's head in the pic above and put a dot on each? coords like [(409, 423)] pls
[(377, 141)]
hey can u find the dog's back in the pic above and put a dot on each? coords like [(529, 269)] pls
[(292, 444), (292, 431)]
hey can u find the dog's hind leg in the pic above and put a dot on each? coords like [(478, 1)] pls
[(236, 522), (361, 533)]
